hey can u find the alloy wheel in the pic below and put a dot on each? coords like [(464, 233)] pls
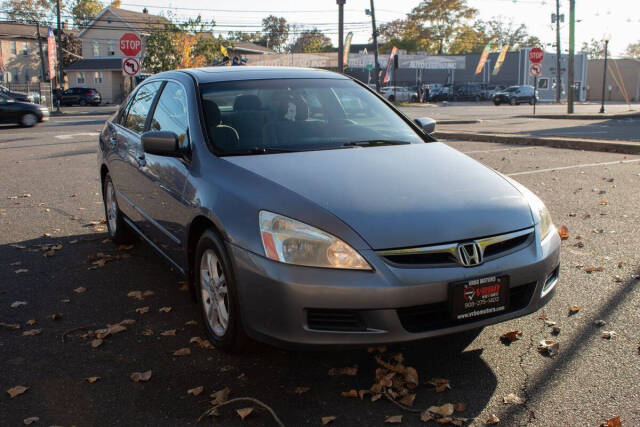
[(112, 209), (29, 119), (214, 292)]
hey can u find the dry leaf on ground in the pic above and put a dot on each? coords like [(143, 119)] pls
[(548, 347), (349, 370), (92, 380), (96, 343), (164, 309), (190, 323), (17, 390), (135, 294), (444, 410), (511, 336), (327, 420), (30, 420), (142, 310), (244, 412), (220, 396), (513, 398), (408, 399), (493, 419), (599, 323), (592, 268), (609, 335), (31, 332), (574, 309), (394, 419), (613, 422), (460, 407), (55, 316), (10, 325), (195, 391), (301, 390), (563, 232), (140, 376), (440, 384), (350, 393), (202, 343), (186, 351), (168, 333), (617, 278), (79, 290), (17, 304)]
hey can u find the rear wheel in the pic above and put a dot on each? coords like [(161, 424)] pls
[(82, 102), (496, 102), (28, 120), (118, 230), (217, 294)]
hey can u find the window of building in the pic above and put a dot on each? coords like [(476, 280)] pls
[(80, 78), (26, 75), (96, 49), (543, 83), (98, 77), (25, 48), (139, 107), (14, 48), (171, 112), (111, 48)]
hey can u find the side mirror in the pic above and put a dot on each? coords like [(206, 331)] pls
[(162, 143), (427, 124)]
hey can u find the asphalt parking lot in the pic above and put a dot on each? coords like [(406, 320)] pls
[(55, 257)]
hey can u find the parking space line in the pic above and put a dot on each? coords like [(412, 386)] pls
[(585, 165)]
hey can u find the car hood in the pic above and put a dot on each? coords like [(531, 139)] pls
[(400, 196)]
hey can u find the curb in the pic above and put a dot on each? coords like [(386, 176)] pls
[(81, 114), (458, 122), (625, 147), (620, 116)]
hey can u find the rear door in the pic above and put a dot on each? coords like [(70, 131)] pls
[(7, 115), (127, 149), (162, 178)]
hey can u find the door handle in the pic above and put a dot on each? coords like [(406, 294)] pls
[(113, 141), (142, 162)]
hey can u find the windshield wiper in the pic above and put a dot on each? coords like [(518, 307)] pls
[(374, 143)]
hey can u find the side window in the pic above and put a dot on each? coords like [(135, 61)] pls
[(139, 107), (171, 112)]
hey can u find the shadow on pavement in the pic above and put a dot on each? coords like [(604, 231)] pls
[(56, 371), (624, 130)]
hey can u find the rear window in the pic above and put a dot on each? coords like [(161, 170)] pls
[(297, 115)]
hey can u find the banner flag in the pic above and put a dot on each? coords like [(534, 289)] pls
[(483, 58), (500, 60), (389, 71)]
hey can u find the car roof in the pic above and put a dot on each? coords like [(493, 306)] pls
[(219, 74)]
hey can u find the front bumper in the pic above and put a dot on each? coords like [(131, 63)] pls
[(392, 304)]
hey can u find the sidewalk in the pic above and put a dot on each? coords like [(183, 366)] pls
[(101, 110)]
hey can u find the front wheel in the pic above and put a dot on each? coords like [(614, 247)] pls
[(118, 230), (82, 102), (217, 294), (28, 120)]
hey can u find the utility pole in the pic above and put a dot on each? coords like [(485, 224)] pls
[(375, 48), (558, 53), (340, 35), (572, 48), (604, 71), (59, 48)]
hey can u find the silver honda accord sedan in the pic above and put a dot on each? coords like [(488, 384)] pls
[(304, 209)]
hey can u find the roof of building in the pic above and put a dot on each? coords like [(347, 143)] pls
[(95, 64), (12, 29), (248, 47), (138, 21)]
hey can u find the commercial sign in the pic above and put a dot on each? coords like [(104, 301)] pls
[(51, 47)]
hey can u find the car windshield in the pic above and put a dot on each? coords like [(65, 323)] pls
[(284, 115)]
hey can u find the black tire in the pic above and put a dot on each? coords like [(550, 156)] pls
[(28, 120), (530, 101), (392, 98), (118, 229), (82, 102), (496, 102), (232, 338)]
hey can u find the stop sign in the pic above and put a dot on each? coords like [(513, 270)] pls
[(536, 55), (130, 44)]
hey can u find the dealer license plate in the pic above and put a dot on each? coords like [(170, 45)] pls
[(479, 297)]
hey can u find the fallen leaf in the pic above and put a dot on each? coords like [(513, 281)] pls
[(394, 419), (605, 334), (574, 309), (440, 384), (125, 247), (202, 343), (350, 371), (549, 323), (548, 347), (31, 332), (512, 398), (555, 330), (10, 325), (140, 376), (195, 391), (142, 310), (593, 268), (21, 270), (613, 422), (220, 396), (135, 294), (92, 380), (128, 322), (168, 333), (411, 377), (603, 202), (617, 278), (327, 420), (543, 316), (493, 419), (301, 390), (599, 323), (17, 390), (165, 309), (460, 407), (563, 232), (96, 343), (79, 290), (350, 393), (147, 293), (511, 336), (408, 399), (30, 420), (425, 416), (244, 412), (55, 316), (190, 323), (147, 332), (17, 304), (186, 351), (444, 410)]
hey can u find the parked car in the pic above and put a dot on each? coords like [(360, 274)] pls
[(470, 92), (352, 227), (20, 112), (402, 94), (18, 96), (491, 90), (515, 95), (444, 93), (80, 96)]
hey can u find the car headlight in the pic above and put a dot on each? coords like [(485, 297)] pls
[(538, 209), (293, 242)]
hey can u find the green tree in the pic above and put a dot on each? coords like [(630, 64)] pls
[(83, 12), (633, 50), (30, 11), (275, 32), (437, 22), (506, 32), (161, 53), (311, 41), (242, 36), (594, 49)]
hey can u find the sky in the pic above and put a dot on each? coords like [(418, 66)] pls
[(595, 18)]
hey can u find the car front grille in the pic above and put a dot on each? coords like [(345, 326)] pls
[(428, 317), (446, 255), (334, 320)]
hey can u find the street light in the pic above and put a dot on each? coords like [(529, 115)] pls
[(606, 39)]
